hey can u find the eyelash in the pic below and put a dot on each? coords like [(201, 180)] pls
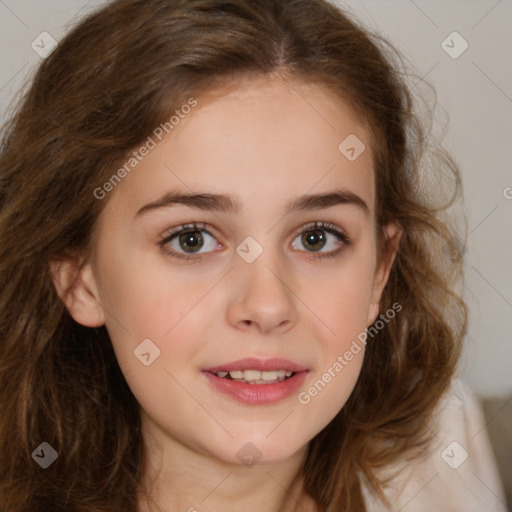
[(193, 227)]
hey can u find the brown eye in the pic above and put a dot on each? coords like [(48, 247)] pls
[(314, 239), (187, 241), (319, 235), (190, 240)]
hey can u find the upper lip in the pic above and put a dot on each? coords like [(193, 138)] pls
[(252, 363)]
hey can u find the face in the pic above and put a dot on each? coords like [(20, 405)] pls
[(187, 289)]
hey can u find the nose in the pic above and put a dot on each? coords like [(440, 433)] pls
[(262, 296)]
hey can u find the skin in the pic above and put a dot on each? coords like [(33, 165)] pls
[(268, 142)]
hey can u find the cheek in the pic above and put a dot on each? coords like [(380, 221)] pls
[(343, 308), (170, 313), (172, 321), (343, 302), (140, 297)]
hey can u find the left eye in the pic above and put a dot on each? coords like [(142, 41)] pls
[(317, 238), (187, 241)]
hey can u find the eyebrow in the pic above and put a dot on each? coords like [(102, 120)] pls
[(230, 203)]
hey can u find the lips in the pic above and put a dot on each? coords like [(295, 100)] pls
[(257, 392), (252, 363)]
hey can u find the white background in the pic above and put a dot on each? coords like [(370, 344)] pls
[(476, 92)]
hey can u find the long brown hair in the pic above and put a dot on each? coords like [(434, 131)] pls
[(113, 79)]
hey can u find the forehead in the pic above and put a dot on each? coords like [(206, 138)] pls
[(265, 141)]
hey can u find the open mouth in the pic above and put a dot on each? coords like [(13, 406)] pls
[(256, 376), (257, 387)]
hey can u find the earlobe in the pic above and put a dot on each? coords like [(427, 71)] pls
[(76, 286), (393, 234)]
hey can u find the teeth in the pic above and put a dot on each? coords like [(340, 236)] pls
[(256, 376), (251, 375)]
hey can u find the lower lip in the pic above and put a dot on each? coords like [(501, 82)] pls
[(257, 393)]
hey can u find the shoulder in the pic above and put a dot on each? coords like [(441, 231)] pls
[(457, 472)]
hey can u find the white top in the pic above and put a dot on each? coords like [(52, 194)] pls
[(458, 474)]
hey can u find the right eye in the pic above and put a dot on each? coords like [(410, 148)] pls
[(186, 241)]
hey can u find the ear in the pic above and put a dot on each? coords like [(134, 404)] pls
[(76, 285), (392, 235)]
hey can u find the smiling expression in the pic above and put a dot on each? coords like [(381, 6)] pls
[(247, 233)]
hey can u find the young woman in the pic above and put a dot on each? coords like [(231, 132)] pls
[(225, 282)]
